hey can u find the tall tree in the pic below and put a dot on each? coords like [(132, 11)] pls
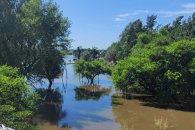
[(151, 22), (9, 28), (54, 39)]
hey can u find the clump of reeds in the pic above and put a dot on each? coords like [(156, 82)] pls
[(161, 124)]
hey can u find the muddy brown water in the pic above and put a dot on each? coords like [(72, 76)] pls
[(68, 110), (132, 114)]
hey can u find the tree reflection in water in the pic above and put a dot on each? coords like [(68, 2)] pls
[(50, 109), (90, 93)]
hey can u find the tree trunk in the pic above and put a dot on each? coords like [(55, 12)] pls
[(91, 83), (50, 83), (87, 81), (98, 80)]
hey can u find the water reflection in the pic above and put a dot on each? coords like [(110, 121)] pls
[(50, 109), (77, 109), (83, 110), (81, 93)]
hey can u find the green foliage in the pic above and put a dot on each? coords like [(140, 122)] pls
[(180, 29), (111, 53), (157, 61), (17, 101), (49, 65), (164, 71), (150, 23), (91, 69), (173, 75), (192, 66), (87, 54), (35, 27), (121, 49)]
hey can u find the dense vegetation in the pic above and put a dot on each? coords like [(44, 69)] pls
[(128, 39), (33, 33), (17, 101), (157, 61), (34, 36)]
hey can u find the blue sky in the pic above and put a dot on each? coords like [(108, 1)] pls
[(98, 23)]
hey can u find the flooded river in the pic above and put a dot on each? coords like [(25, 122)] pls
[(68, 109)]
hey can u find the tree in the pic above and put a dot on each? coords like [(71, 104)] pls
[(151, 22), (49, 65), (29, 28), (9, 28), (111, 53), (54, 32), (91, 69), (17, 101), (87, 54), (128, 38), (78, 52)]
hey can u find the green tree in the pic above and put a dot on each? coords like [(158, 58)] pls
[(91, 69), (50, 65), (128, 38), (111, 53), (77, 52), (54, 32), (9, 28), (151, 22), (29, 28)]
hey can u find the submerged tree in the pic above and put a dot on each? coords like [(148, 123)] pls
[(54, 32), (50, 65), (91, 69), (30, 29)]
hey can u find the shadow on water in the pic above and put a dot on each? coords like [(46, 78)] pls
[(186, 105), (144, 109)]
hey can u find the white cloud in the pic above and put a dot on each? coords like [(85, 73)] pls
[(175, 13), (189, 5), (139, 12), (117, 19), (124, 16), (188, 9), (121, 17)]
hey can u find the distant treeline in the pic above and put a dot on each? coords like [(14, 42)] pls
[(88, 54)]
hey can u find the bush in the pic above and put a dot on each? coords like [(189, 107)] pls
[(17, 101)]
